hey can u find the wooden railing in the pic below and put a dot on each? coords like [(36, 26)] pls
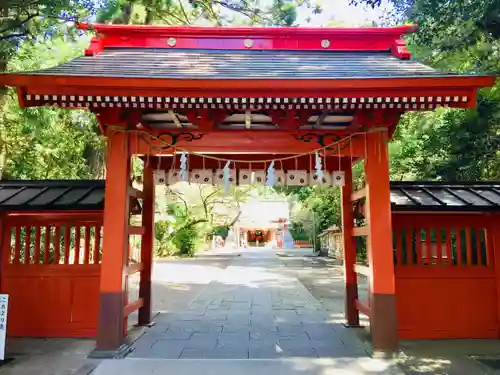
[(441, 246), (302, 243), (57, 244)]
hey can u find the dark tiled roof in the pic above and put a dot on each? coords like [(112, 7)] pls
[(439, 196), (52, 195), (88, 195), (218, 64)]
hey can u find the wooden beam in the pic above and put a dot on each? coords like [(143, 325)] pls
[(362, 270), (360, 231), (134, 268), (358, 194), (136, 193), (134, 230), (245, 142), (147, 242), (362, 308), (349, 245), (448, 86), (131, 307)]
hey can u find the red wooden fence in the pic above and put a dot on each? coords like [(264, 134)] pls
[(445, 277), (51, 272), (302, 243)]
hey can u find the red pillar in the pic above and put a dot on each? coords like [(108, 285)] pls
[(493, 253), (383, 323), (111, 330), (147, 244), (4, 241), (350, 277)]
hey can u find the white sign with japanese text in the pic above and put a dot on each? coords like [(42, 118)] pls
[(4, 307)]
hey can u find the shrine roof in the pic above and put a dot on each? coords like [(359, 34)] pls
[(443, 196), (241, 64), (214, 53), (220, 58)]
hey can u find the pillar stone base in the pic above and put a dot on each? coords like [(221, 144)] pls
[(383, 322), (352, 314), (347, 325), (118, 353)]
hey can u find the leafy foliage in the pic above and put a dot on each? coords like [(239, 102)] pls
[(37, 20), (180, 233), (460, 36), (317, 209), (47, 143), (196, 12), (163, 245)]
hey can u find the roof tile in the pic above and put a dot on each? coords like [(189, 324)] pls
[(240, 64)]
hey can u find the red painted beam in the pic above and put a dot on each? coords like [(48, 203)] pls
[(362, 308), (56, 217), (260, 142), (134, 268), (133, 230), (349, 87), (131, 307), (133, 192), (245, 31), (269, 38)]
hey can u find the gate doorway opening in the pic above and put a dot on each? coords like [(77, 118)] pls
[(260, 237)]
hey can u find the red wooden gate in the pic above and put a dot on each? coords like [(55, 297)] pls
[(50, 269), (445, 277)]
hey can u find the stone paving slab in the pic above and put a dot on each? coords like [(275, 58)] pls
[(295, 366), (252, 310), (281, 308)]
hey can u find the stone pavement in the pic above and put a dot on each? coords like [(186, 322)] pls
[(285, 366), (46, 356), (256, 307), (253, 309)]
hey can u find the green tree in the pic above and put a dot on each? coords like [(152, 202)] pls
[(322, 202), (451, 144), (37, 20), (47, 143), (196, 12)]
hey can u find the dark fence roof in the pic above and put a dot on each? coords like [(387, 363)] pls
[(86, 195), (81, 195), (445, 196), (215, 64)]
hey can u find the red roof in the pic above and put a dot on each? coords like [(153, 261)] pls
[(251, 38), (163, 67)]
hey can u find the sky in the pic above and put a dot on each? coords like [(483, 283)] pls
[(342, 12)]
